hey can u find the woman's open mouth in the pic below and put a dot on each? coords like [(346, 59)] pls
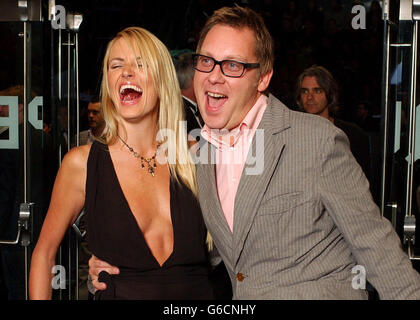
[(130, 94)]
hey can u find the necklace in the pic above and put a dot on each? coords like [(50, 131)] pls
[(151, 162)]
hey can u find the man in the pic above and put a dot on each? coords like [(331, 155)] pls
[(317, 93), (185, 73), (96, 122), (306, 221)]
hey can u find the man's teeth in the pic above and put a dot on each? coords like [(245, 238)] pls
[(129, 86), (216, 95)]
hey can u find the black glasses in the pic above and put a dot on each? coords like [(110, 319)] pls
[(230, 68)]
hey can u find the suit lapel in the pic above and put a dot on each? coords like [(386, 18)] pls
[(209, 201), (252, 187)]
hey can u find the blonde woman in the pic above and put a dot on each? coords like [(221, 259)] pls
[(142, 211)]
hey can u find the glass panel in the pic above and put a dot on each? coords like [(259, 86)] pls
[(400, 192), (25, 177), (11, 155), (399, 114), (64, 100), (416, 168)]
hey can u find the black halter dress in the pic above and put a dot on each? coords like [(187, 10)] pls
[(114, 236)]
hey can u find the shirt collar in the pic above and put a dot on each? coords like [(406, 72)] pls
[(192, 102)]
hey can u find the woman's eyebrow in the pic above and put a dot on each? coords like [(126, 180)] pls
[(117, 59)]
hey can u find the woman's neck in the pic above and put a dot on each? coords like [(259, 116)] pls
[(140, 136)]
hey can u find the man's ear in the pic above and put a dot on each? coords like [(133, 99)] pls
[(264, 81)]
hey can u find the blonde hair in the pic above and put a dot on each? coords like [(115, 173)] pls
[(156, 61)]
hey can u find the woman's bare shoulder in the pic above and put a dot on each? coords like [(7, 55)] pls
[(77, 157)]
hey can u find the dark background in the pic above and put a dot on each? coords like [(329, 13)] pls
[(306, 32)]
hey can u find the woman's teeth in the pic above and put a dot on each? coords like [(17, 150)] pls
[(129, 86)]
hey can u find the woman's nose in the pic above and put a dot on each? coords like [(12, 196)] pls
[(127, 71)]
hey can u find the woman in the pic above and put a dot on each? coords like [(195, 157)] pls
[(142, 213)]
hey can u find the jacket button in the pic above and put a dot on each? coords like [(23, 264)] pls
[(240, 277)]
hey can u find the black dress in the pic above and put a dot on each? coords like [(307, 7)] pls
[(114, 236)]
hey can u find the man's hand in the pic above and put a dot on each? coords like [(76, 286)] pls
[(95, 267)]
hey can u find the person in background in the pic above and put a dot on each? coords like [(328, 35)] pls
[(317, 93), (96, 122), (185, 73)]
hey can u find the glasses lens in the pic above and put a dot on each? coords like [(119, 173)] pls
[(232, 68), (204, 63)]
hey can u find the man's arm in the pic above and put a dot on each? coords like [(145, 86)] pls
[(345, 194), (95, 267)]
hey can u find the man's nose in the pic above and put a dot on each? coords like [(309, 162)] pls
[(310, 96), (216, 75)]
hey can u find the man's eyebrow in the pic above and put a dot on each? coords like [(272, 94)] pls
[(229, 57), (236, 58), (311, 88)]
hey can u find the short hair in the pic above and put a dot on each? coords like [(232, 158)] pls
[(95, 99), (239, 17), (326, 82), (185, 69)]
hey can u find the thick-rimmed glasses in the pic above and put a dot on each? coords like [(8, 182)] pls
[(230, 68)]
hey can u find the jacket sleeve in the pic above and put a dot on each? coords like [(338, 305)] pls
[(344, 191)]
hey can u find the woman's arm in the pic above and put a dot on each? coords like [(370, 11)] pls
[(67, 200)]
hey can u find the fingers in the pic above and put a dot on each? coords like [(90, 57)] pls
[(98, 285), (95, 267)]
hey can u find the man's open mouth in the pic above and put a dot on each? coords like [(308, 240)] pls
[(215, 100)]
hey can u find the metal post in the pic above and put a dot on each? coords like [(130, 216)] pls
[(78, 143), (68, 90), (385, 110), (77, 90), (412, 128), (25, 143)]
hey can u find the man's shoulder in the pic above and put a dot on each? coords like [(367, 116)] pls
[(300, 121)]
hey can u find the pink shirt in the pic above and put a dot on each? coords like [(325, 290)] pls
[(232, 150)]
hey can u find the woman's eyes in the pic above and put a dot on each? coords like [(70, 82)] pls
[(116, 66)]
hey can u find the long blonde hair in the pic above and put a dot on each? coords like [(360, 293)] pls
[(157, 62)]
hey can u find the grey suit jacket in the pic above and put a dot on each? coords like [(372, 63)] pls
[(306, 220)]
